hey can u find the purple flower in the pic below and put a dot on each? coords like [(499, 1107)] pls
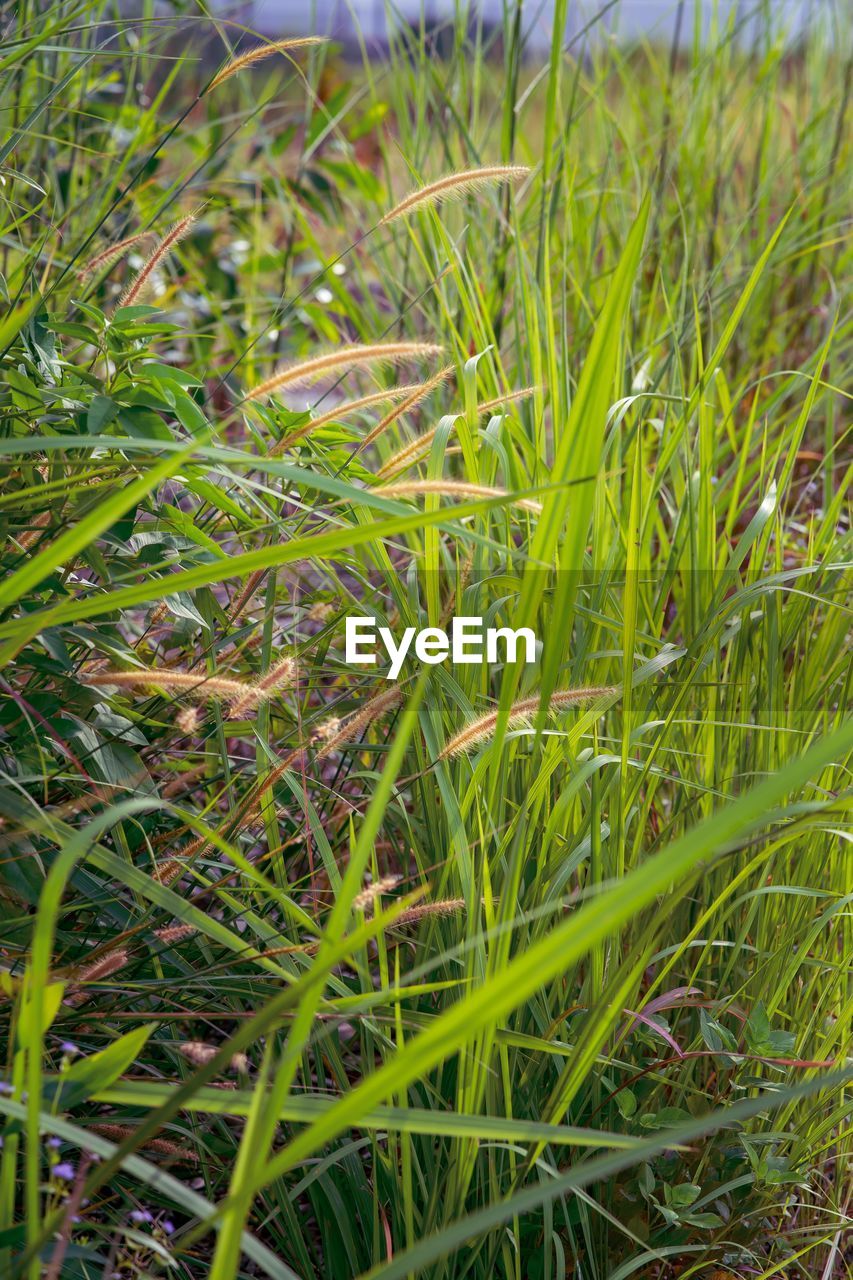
[(54, 1143), (168, 1226), (140, 1215), (68, 1048), (5, 1089), (63, 1170)]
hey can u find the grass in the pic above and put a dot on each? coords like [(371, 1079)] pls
[(308, 973)]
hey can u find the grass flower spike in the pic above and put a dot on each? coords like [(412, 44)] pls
[(242, 695), (345, 358), (481, 729), (259, 53), (412, 400), (455, 185), (371, 892), (172, 933), (423, 643), (349, 730), (453, 489), (162, 249), (107, 257), (266, 687)]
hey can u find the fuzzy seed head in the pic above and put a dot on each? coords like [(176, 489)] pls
[(37, 526), (371, 892), (161, 250), (260, 52), (107, 257), (327, 730), (478, 730), (418, 394), (447, 907), (321, 612), (172, 933), (354, 724), (454, 185), (193, 684), (188, 720), (278, 676), (103, 967), (168, 870), (197, 1052), (453, 489), (344, 358)]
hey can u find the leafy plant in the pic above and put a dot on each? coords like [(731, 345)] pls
[(508, 969)]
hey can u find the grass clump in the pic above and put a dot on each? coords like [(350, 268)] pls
[(307, 973)]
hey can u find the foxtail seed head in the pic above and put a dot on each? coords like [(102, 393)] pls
[(37, 527), (454, 185), (160, 251), (410, 452), (168, 870), (352, 357), (260, 52), (446, 907), (95, 972), (188, 721), (482, 728), (199, 1053), (103, 967), (172, 933), (417, 395), (353, 725), (453, 489), (371, 892), (108, 256), (262, 690)]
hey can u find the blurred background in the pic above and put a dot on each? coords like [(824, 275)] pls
[(626, 20)]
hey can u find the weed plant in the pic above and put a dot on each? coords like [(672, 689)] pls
[(526, 971)]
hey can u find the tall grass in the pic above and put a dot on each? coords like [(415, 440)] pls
[(470, 975)]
